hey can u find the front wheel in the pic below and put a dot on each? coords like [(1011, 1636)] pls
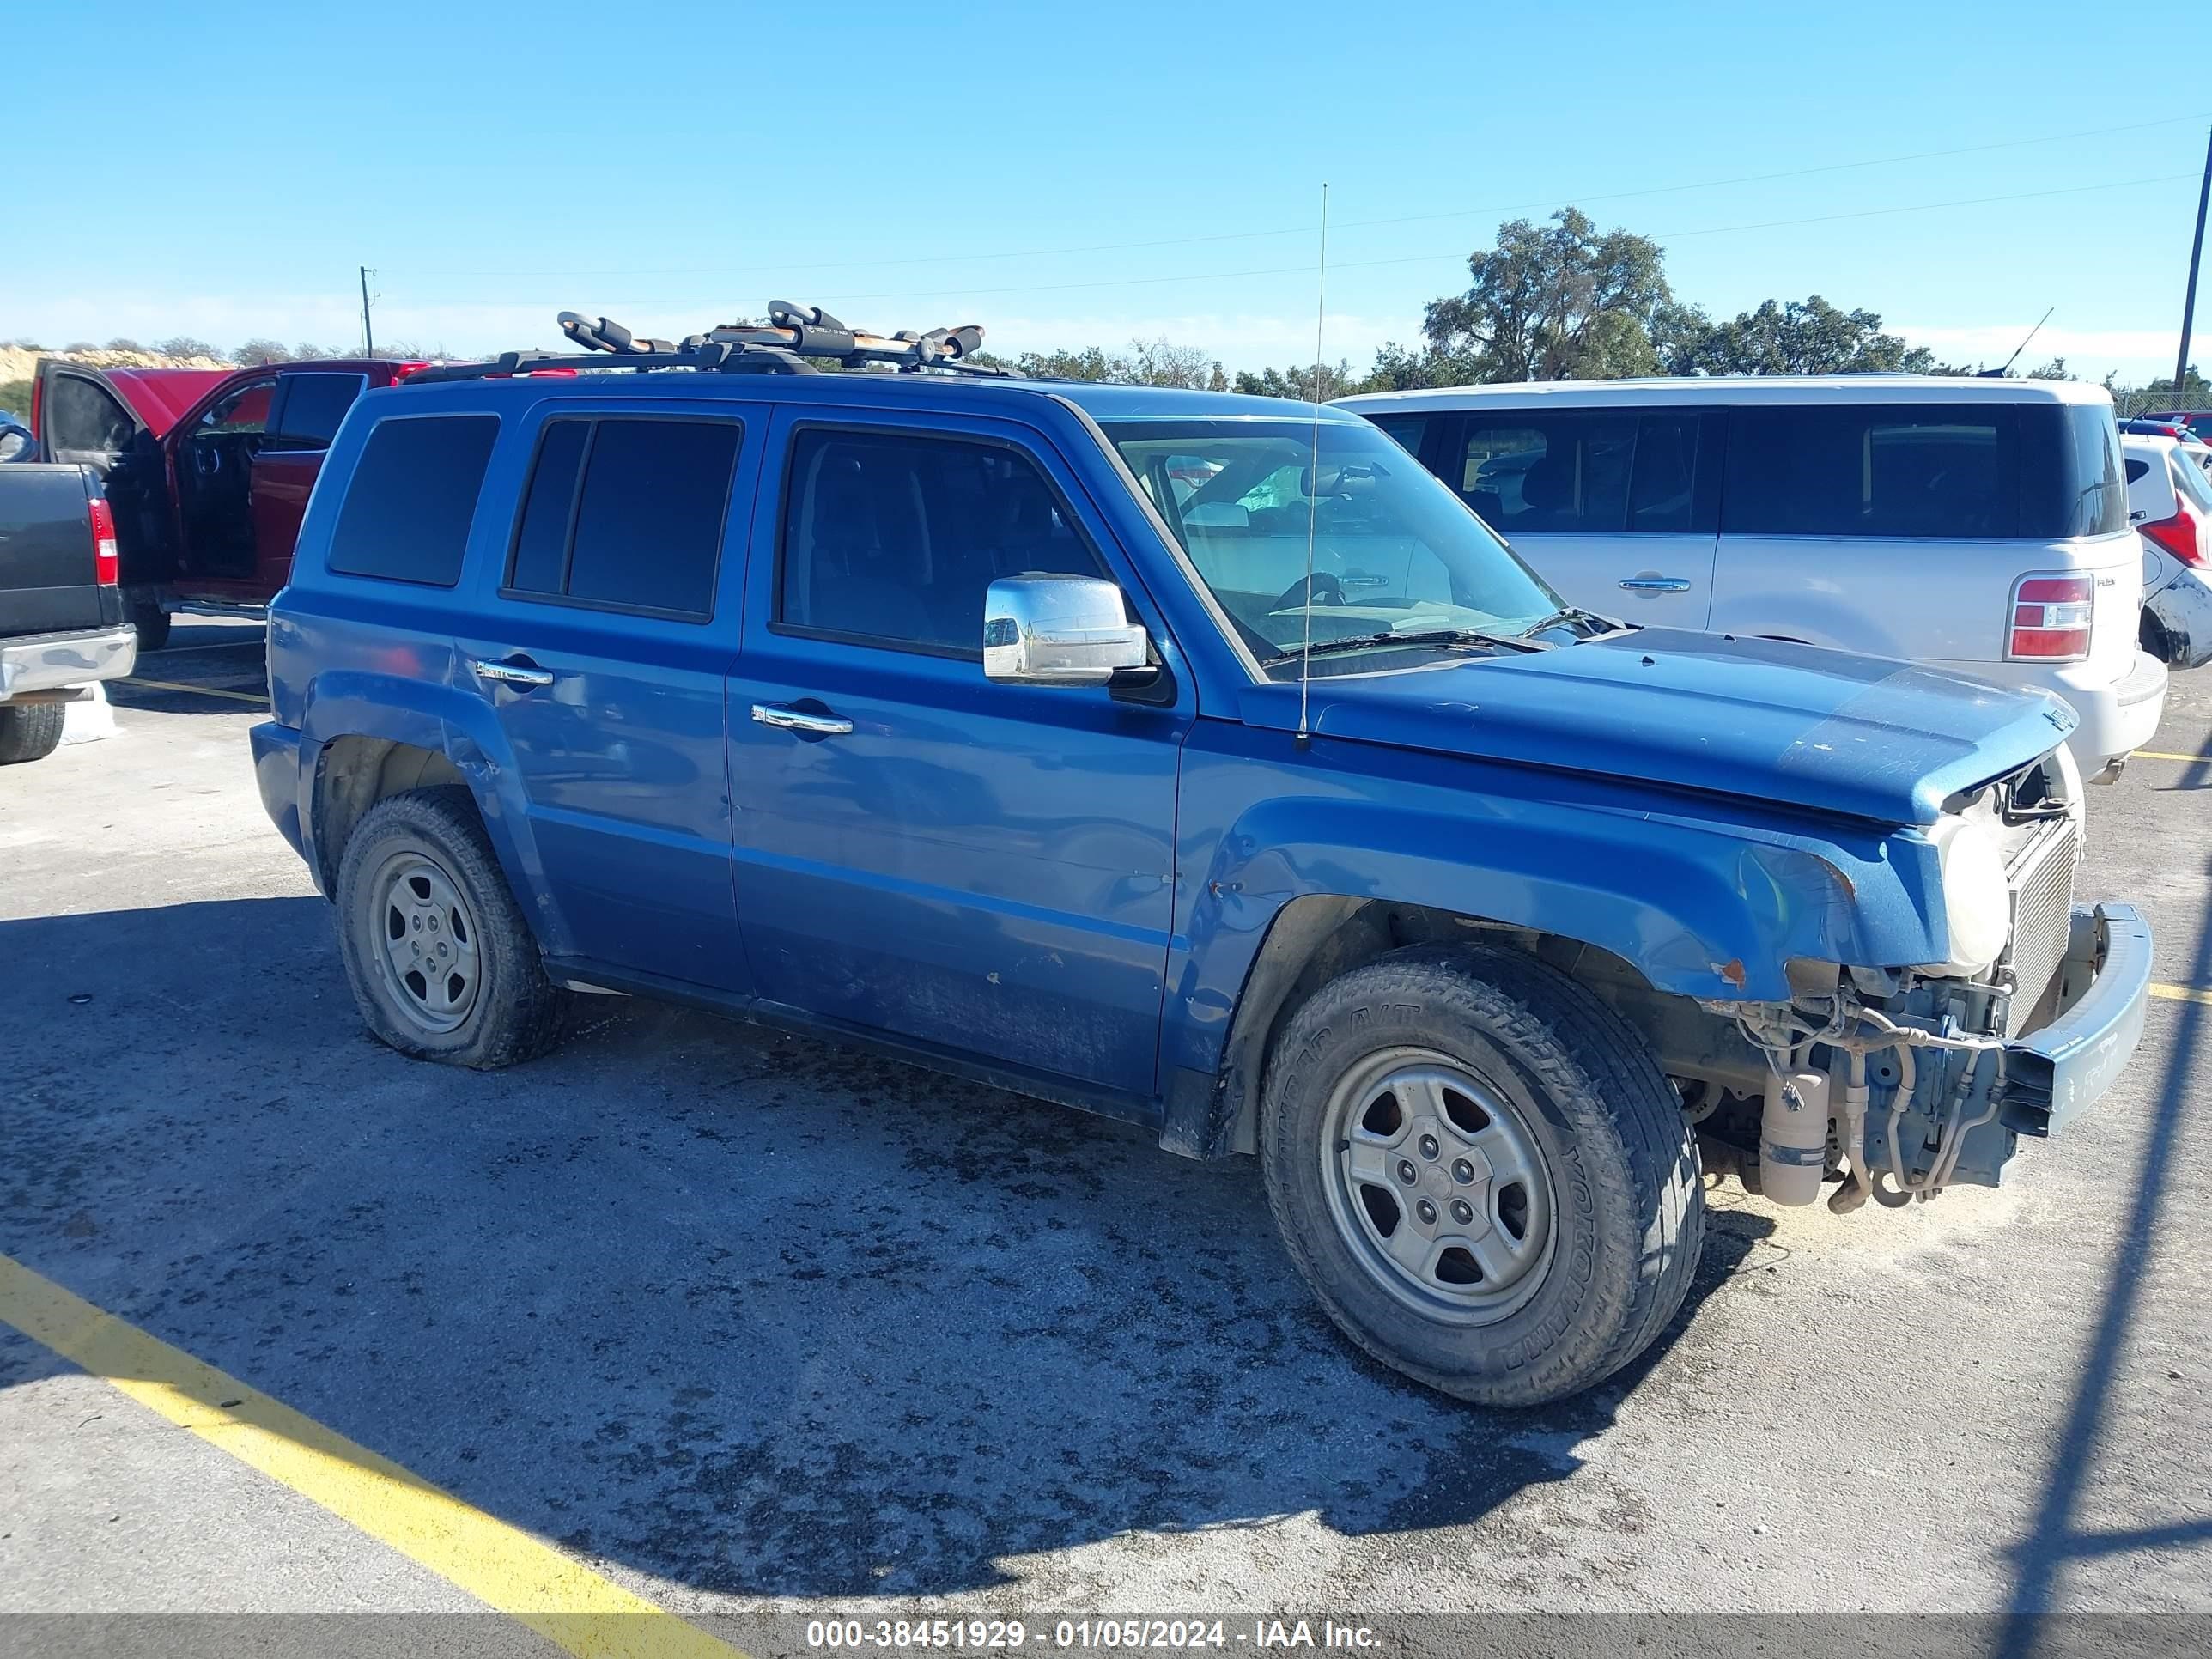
[(1482, 1173)]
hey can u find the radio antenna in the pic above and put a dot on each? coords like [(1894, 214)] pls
[(1313, 475), (2004, 368)]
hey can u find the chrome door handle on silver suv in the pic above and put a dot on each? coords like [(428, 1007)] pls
[(1657, 583)]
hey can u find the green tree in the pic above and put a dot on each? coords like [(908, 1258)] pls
[(124, 342), (1297, 382), (1791, 337), (1552, 301), (2130, 400), (184, 345), (257, 353)]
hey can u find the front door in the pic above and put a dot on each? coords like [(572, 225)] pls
[(1615, 509), (214, 452), (981, 868)]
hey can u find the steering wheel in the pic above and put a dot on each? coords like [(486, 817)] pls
[(1320, 588), (207, 460)]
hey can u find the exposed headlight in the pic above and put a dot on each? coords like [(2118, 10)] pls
[(1977, 898)]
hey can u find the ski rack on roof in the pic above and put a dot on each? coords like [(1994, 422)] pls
[(787, 343)]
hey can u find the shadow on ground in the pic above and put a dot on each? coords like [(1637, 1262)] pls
[(733, 1308)]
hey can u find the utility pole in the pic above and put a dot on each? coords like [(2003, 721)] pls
[(368, 334), (2195, 252)]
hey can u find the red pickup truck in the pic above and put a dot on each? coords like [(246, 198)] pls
[(207, 470)]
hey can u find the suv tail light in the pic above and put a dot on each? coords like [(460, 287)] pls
[(107, 568), (2183, 535), (2051, 617), (401, 371)]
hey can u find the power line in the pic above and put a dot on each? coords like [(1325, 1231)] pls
[(1307, 230)]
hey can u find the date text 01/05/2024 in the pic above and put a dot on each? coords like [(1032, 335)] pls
[(894, 1635)]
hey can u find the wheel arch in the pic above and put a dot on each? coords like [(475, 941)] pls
[(1318, 937), (366, 736)]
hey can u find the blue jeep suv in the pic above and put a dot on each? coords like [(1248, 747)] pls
[(1195, 759)]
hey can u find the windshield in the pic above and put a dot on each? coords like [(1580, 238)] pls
[(1393, 550)]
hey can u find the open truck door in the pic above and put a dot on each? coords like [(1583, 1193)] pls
[(116, 421)]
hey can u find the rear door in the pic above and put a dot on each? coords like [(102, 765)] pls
[(310, 404), (602, 644), (1615, 508)]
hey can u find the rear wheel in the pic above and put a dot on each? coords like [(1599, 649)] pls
[(151, 622), (1481, 1172), (441, 963), (30, 731)]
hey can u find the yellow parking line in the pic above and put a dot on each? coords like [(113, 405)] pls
[(2158, 754), (503, 1566), (196, 690), (2180, 994)]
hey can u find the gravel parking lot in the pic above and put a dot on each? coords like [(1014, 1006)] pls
[(742, 1321)]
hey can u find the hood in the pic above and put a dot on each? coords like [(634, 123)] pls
[(1793, 725)]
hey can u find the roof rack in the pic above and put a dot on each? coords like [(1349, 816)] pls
[(794, 338)]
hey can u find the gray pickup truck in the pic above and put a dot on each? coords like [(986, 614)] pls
[(61, 612)]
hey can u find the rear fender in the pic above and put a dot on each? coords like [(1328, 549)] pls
[(463, 728)]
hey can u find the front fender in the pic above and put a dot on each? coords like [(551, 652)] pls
[(1703, 898), (434, 716)]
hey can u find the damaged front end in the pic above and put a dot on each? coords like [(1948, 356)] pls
[(1899, 1082)]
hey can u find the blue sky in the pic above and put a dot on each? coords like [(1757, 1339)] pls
[(1077, 175)]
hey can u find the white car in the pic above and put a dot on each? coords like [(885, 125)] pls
[(2170, 504), (1975, 526)]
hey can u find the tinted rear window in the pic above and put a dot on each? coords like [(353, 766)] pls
[(408, 506), (2044, 471), (645, 530)]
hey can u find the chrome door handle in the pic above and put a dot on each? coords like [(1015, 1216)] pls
[(511, 674), (794, 719), (1657, 584)]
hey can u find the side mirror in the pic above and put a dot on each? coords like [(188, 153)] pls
[(1058, 630)]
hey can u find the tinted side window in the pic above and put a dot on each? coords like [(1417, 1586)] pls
[(1524, 472), (895, 538), (649, 519), (84, 423), (311, 407), (540, 564), (409, 503), (1917, 470), (644, 530), (1407, 431), (1663, 494)]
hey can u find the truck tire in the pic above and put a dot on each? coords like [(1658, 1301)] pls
[(152, 623), (1481, 1171), (441, 962), (30, 731)]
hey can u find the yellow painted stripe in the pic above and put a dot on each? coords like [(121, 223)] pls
[(2160, 754), (2180, 994), (508, 1568), (196, 690)]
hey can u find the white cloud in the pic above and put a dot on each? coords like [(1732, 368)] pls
[(2133, 353)]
